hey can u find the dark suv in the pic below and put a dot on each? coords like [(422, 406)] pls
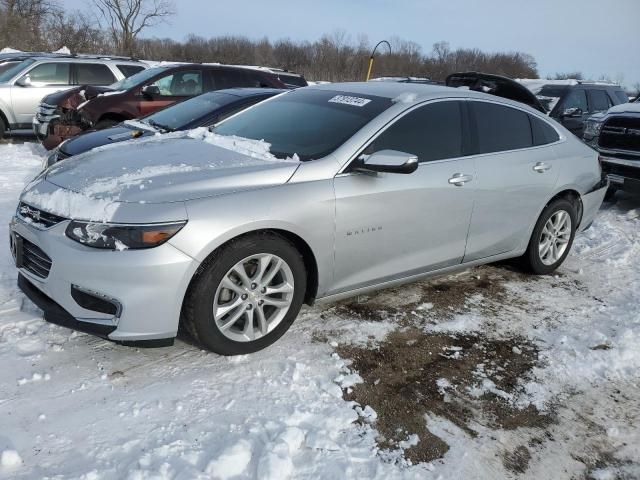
[(572, 102), (616, 135), (86, 108)]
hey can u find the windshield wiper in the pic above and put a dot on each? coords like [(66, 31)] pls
[(159, 126)]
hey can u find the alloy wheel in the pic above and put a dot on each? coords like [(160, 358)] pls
[(555, 237), (253, 297)]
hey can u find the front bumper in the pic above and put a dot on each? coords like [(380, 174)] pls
[(623, 173), (149, 285)]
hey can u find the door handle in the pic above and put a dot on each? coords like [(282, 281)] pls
[(541, 167), (460, 179)]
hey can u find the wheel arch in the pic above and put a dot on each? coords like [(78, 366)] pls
[(573, 196), (308, 256)]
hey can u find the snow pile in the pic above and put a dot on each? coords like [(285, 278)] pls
[(10, 459), (406, 97), (10, 50), (252, 148), (70, 204)]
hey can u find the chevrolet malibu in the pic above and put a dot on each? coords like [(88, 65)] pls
[(315, 195)]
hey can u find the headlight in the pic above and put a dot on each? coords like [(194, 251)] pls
[(114, 236), (592, 128)]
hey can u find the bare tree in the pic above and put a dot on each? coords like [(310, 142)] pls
[(125, 19)]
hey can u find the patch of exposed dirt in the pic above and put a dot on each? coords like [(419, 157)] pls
[(413, 373)]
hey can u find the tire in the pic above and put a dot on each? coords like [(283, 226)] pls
[(207, 294), (533, 259), (106, 123), (3, 127), (610, 195)]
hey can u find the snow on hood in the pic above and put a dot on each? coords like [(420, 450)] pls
[(164, 168), (625, 108)]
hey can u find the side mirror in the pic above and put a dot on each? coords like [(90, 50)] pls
[(24, 81), (151, 91), (388, 161), (572, 112)]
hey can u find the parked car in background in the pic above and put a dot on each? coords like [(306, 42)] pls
[(290, 79), (616, 135), (201, 111), (319, 194), (26, 79), (68, 113), (571, 102)]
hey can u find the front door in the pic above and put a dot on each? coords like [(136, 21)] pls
[(390, 226), (173, 88), (28, 91)]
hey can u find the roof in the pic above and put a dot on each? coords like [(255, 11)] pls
[(251, 91), (393, 89), (536, 84)]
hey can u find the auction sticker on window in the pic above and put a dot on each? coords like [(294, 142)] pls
[(348, 100)]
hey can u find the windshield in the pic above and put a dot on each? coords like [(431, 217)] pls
[(181, 114), (137, 79), (10, 69), (310, 123)]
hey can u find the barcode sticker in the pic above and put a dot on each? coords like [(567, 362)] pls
[(347, 100)]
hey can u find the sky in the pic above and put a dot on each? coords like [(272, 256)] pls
[(596, 37)]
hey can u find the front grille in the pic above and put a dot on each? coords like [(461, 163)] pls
[(45, 112), (35, 260), (38, 217), (620, 133)]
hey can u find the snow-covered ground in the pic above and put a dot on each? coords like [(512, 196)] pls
[(74, 406)]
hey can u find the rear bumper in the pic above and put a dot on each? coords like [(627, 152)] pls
[(591, 203)]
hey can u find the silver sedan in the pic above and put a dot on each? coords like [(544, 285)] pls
[(315, 195)]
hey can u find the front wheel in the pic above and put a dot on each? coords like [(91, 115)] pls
[(247, 295), (3, 128), (552, 237)]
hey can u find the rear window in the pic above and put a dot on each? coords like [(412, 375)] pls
[(500, 128), (309, 123), (93, 74), (129, 70), (543, 133), (294, 80), (231, 78)]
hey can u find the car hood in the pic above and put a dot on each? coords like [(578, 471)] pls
[(495, 85), (73, 97), (97, 138), (625, 108), (162, 170)]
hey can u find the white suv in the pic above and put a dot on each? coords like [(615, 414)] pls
[(25, 80)]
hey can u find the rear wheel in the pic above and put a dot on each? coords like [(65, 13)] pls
[(247, 295), (552, 237)]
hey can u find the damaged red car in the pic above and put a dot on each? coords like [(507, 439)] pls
[(65, 114)]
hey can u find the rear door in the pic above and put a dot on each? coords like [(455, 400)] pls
[(96, 74), (392, 225), (516, 173), (45, 78)]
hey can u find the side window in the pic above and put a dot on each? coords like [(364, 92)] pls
[(93, 74), (500, 128), (543, 133), (576, 98), (180, 84), (228, 78), (432, 132), (49, 74), (600, 101), (128, 70)]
